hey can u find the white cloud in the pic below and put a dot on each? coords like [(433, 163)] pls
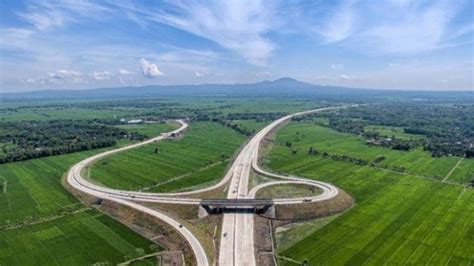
[(198, 74), (340, 25), (64, 74), (47, 14), (16, 38), (61, 76), (348, 77), (236, 25), (124, 72), (45, 18), (149, 70), (401, 27), (101, 75), (418, 28), (30, 81)]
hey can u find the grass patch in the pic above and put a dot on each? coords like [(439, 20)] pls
[(256, 179), (288, 191)]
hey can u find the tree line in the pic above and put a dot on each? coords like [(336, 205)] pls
[(33, 139), (448, 129)]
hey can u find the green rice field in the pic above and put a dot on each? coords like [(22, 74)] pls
[(416, 162), (41, 223), (397, 219), (82, 238), (200, 156)]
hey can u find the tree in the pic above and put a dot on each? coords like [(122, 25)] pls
[(470, 153)]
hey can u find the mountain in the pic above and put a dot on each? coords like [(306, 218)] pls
[(287, 87)]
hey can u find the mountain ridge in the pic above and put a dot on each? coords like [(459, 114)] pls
[(284, 86)]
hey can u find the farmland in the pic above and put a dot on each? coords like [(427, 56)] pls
[(393, 131), (150, 130), (33, 187), (85, 237), (63, 112), (200, 156), (416, 162), (398, 217), (464, 172), (146, 108), (42, 223)]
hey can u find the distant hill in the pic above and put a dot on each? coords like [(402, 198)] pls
[(287, 87)]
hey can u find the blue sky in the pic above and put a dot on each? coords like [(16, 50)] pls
[(393, 44)]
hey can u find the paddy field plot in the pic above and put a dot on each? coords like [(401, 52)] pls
[(397, 218), (201, 155), (34, 188), (82, 238), (463, 173), (41, 223)]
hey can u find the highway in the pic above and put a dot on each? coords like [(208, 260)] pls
[(237, 237)]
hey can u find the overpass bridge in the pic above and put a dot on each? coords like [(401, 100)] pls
[(236, 205)]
